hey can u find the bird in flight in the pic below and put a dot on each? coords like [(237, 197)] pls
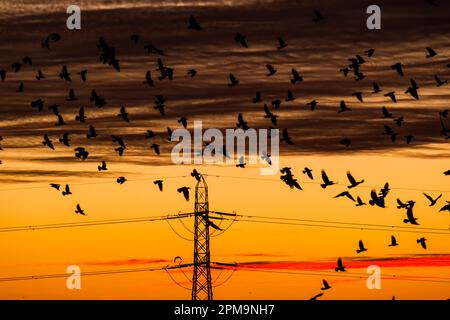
[(295, 76), (446, 207), (316, 296), (241, 163), (241, 39), (271, 70), (430, 52), (308, 172), (55, 186), (399, 68), (102, 167), (326, 286), (340, 266), (285, 137), (148, 79), (345, 194), (270, 115), (439, 82), (343, 107), (121, 180), (159, 183), (233, 81), (317, 16), (352, 180), (393, 242), (83, 74), (79, 210), (66, 191), (359, 202), (432, 201), (123, 114), (422, 242), (281, 43), (326, 181), (155, 147), (194, 24), (361, 247), (409, 216), (47, 142), (185, 192)]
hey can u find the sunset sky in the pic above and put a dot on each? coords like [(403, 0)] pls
[(276, 261)]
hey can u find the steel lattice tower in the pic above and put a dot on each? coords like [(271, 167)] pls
[(201, 282)]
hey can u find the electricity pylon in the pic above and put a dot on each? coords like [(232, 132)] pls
[(201, 280)]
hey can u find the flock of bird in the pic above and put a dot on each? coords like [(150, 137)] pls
[(356, 64)]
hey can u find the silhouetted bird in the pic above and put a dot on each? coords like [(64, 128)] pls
[(422, 242), (401, 204), (98, 101), (194, 24), (39, 104), (71, 96), (79, 210), (345, 194), (361, 247), (340, 266), (64, 74), (16, 66), (195, 174), (316, 296), (346, 142), (430, 52), (123, 114), (352, 180), (159, 183), (192, 73), (159, 104), (60, 120), (447, 173), (345, 71), (281, 43), (20, 87), (266, 158), (81, 117), (385, 190), (241, 163), (270, 115), (295, 76), (134, 38), (317, 16), (233, 80), (358, 96), (55, 186), (393, 242), (399, 68), (155, 147), (271, 70), (312, 105), (359, 202), (285, 137), (444, 114), (376, 87), (242, 123), (446, 207), (290, 96), (308, 172), (432, 201), (55, 37), (386, 113), (326, 286), (3, 75), (257, 97), (376, 200), (148, 79), (92, 133), (185, 192), (239, 38), (121, 180), (83, 74), (408, 138), (410, 217), (150, 134), (66, 191), (276, 103), (343, 107), (392, 96), (370, 52), (183, 121), (431, 2), (102, 167), (40, 75), (27, 60), (439, 82), (326, 181), (152, 49), (399, 121), (413, 92), (64, 139), (47, 142), (81, 153)]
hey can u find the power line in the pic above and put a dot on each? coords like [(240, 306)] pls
[(318, 183)]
